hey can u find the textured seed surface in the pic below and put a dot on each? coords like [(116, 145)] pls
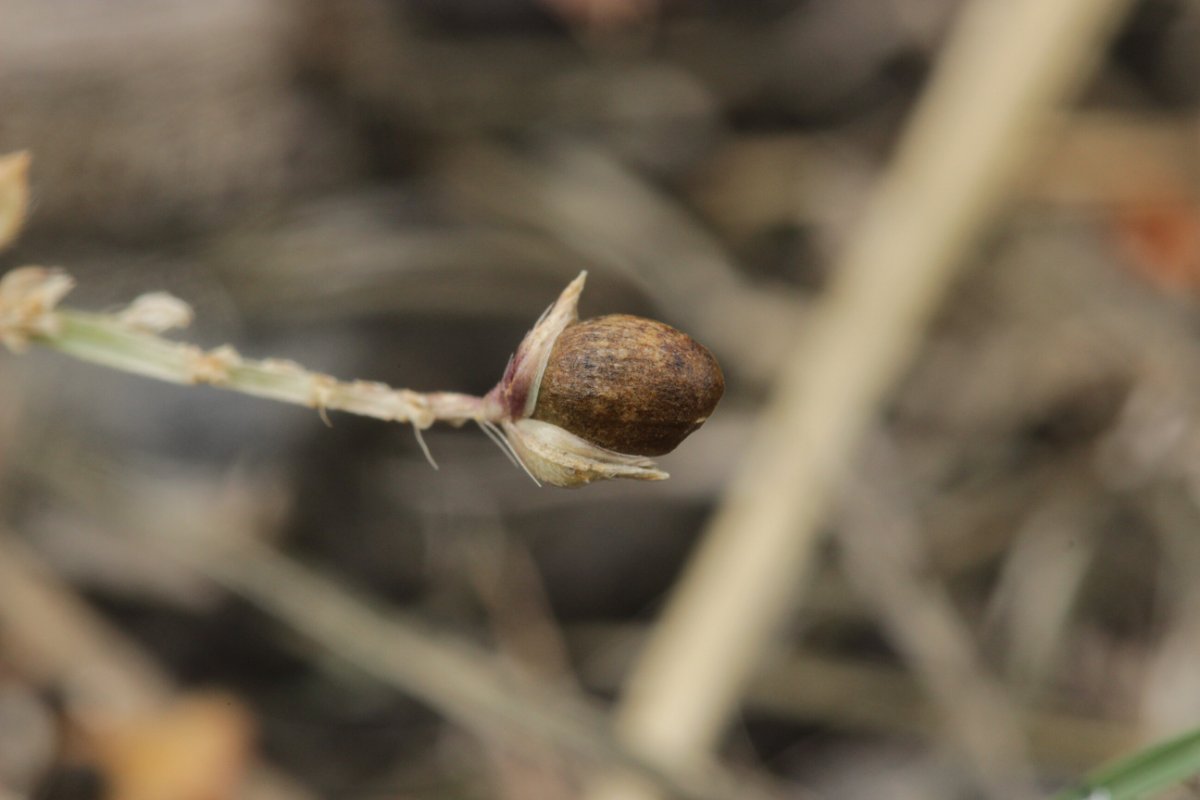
[(629, 384)]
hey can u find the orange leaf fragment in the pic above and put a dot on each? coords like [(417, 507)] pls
[(198, 748), (1161, 240)]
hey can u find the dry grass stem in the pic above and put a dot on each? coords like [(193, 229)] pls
[(129, 341), (1002, 74)]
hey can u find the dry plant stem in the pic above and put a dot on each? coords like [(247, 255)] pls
[(129, 341), (106, 340), (1005, 69)]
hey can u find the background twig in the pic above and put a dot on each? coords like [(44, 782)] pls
[(1002, 74)]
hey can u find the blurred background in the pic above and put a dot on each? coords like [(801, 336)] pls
[(394, 191)]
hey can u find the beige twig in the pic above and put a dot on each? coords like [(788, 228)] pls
[(1005, 69)]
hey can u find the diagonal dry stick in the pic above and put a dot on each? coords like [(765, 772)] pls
[(1003, 73)]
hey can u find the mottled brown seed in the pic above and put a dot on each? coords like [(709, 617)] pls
[(629, 384)]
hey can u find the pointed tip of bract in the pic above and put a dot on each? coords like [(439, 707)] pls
[(518, 388), (570, 295)]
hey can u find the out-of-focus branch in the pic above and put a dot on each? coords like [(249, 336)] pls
[(1003, 72)]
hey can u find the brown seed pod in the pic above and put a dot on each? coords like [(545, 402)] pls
[(628, 384), (588, 401)]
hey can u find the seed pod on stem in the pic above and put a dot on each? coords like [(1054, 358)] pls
[(585, 401)]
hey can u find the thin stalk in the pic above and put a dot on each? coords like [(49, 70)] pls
[(109, 341), (130, 341)]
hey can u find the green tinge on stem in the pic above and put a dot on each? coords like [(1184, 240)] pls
[(98, 339), (1154, 769), (108, 341)]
